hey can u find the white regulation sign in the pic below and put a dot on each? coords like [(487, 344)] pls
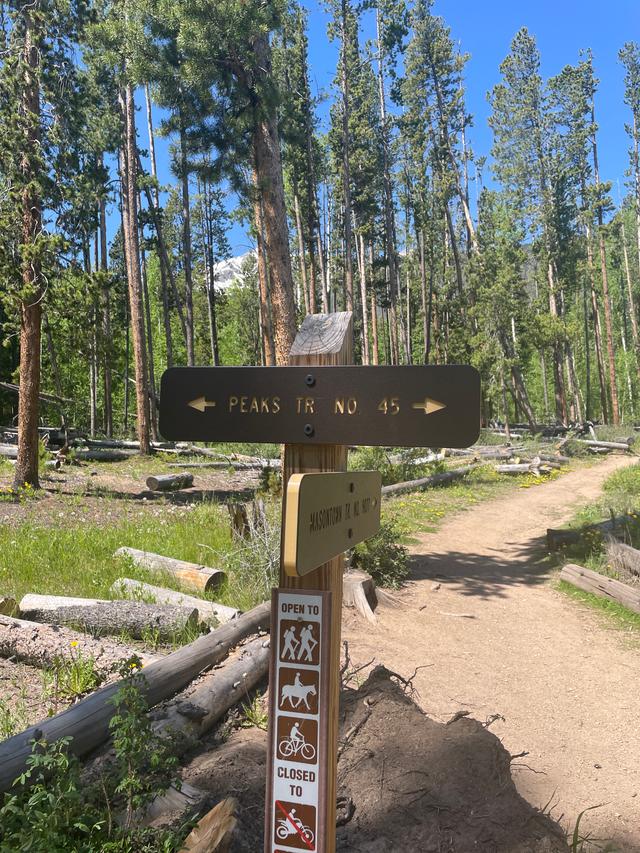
[(296, 781)]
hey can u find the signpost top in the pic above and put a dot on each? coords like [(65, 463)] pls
[(417, 406)]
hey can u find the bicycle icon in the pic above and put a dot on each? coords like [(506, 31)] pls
[(295, 744)]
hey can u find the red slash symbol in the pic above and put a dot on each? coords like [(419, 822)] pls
[(303, 831)]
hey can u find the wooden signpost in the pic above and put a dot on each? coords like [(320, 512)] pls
[(316, 407)]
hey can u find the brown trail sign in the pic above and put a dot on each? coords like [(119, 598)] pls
[(316, 407), (419, 406)]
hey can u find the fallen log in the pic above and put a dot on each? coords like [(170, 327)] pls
[(9, 451), (136, 618), (623, 558), (197, 577), (102, 455), (87, 722), (426, 482), (44, 645), (196, 711), (601, 586), (170, 482), (536, 466), (605, 445), (140, 591), (215, 832)]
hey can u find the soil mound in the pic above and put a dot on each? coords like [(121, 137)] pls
[(405, 782)]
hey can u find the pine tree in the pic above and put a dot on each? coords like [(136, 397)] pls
[(37, 163)]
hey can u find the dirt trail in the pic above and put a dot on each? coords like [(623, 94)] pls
[(496, 638)]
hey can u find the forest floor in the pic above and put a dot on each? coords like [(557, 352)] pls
[(483, 617)]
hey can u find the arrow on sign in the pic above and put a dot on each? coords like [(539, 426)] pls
[(201, 403), (429, 406)]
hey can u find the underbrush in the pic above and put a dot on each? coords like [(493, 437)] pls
[(51, 808)]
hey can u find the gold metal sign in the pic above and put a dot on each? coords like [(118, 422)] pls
[(326, 515)]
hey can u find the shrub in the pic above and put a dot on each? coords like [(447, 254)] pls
[(383, 557)]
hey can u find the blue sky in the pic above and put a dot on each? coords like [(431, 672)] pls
[(485, 30)]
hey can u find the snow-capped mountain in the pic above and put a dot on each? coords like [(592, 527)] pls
[(226, 272)]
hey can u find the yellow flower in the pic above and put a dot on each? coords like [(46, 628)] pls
[(74, 643)]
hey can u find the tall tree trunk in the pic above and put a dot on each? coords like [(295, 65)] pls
[(55, 368), (93, 341), (210, 271), (268, 165), (26, 471), (266, 326), (375, 354), (346, 159), (632, 306), (186, 243), (389, 224), (301, 253), (162, 256), (587, 352), (364, 301), (558, 376), (613, 382), (153, 408), (597, 328), (132, 251), (423, 292), (106, 320)]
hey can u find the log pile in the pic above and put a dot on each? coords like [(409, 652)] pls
[(87, 722)]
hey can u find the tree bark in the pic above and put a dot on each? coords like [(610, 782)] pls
[(132, 251), (266, 151), (106, 320), (169, 482), (630, 297), (346, 159), (26, 471), (112, 617), (613, 383), (365, 302), (164, 290), (186, 244), (266, 326)]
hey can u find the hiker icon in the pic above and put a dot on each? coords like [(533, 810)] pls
[(298, 693), (307, 644), (291, 644), (300, 642)]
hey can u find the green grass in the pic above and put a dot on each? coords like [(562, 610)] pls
[(77, 559), (616, 615)]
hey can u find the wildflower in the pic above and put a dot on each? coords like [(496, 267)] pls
[(74, 643)]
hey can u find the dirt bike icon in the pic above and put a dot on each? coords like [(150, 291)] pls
[(285, 828), (292, 746)]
